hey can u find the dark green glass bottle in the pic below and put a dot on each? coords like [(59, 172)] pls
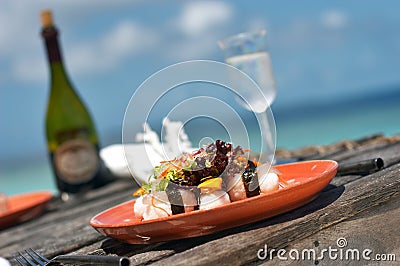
[(71, 134)]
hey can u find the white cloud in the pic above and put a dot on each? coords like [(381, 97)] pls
[(198, 17), (197, 28), (18, 18), (334, 19), (192, 34), (29, 69), (22, 51), (123, 41)]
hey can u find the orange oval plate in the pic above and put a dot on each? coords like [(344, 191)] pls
[(23, 207), (307, 179)]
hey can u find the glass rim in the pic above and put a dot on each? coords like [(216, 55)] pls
[(242, 35)]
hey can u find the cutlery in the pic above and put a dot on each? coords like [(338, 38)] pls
[(360, 167), (33, 258)]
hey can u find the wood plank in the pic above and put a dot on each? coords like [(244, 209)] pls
[(327, 151), (66, 229), (390, 154), (240, 248), (57, 212), (375, 229), (60, 228)]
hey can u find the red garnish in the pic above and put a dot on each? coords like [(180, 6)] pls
[(164, 173), (197, 152)]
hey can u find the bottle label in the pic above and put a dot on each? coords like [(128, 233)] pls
[(76, 161)]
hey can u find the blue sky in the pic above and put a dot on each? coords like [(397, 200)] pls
[(322, 51)]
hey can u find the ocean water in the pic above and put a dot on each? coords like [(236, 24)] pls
[(329, 124), (296, 127)]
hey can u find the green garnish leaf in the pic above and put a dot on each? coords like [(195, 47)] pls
[(147, 187), (190, 165), (157, 171), (162, 185)]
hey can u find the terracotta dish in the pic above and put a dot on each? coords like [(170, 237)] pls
[(306, 180), (23, 207)]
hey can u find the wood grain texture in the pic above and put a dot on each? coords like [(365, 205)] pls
[(63, 230), (242, 247), (375, 229), (345, 204)]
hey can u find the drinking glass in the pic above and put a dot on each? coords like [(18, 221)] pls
[(248, 52)]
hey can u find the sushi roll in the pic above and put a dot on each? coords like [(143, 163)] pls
[(212, 176), (172, 189), (157, 204), (253, 181)]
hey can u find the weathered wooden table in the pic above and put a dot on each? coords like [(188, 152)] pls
[(354, 215)]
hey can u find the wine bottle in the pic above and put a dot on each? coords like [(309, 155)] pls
[(71, 135)]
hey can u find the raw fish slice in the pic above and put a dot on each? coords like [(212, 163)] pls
[(213, 199), (269, 182), (236, 188), (152, 206), (157, 205), (189, 200), (268, 178)]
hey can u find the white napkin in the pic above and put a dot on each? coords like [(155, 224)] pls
[(4, 262), (139, 159)]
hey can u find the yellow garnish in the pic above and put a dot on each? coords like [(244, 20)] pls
[(213, 183), (139, 192)]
